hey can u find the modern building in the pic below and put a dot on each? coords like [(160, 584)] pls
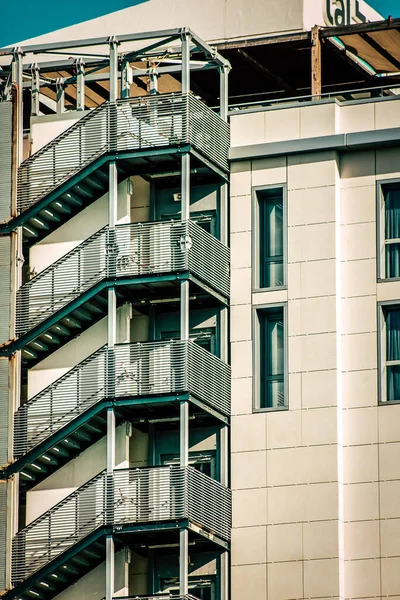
[(200, 305)]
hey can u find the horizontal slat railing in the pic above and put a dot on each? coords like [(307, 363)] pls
[(134, 250), (128, 496), (160, 596), (131, 370), (126, 125)]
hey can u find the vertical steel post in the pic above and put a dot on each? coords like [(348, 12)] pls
[(80, 84), (112, 321), (126, 79), (60, 96), (113, 43), (224, 574), (35, 90)]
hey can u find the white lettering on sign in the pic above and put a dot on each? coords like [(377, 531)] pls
[(342, 12)]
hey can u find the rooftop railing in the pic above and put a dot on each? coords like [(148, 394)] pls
[(127, 497), (132, 370), (134, 250), (126, 125)]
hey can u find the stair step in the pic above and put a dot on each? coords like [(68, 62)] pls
[(50, 214), (63, 207)]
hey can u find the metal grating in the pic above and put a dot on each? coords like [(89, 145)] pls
[(4, 410), (5, 160), (5, 288), (4, 523), (141, 369), (128, 496), (126, 125), (136, 250)]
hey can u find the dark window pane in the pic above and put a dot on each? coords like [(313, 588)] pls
[(392, 230), (272, 358), (271, 232), (393, 382), (393, 335)]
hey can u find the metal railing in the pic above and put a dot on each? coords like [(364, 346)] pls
[(131, 370), (126, 125), (128, 496), (132, 250), (160, 596)]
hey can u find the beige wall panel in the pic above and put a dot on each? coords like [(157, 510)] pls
[(307, 280), (249, 507), (248, 129), (318, 389), (240, 215), (387, 163), (358, 278), (269, 297), (249, 470), (240, 180), (283, 429), (248, 432), (311, 242), (389, 460), (249, 581), (358, 205), (311, 170), (312, 315), (388, 290), (284, 542), (358, 315), (390, 537), (321, 119), (359, 351), (241, 356), (321, 578), (290, 466), (389, 497), (357, 117), (312, 353), (240, 286), (285, 580), (241, 249), (318, 426), (311, 205), (293, 504), (361, 502), (357, 169), (387, 114), (268, 171), (320, 540), (362, 578), (360, 426), (358, 241), (361, 540), (360, 464), (249, 545), (390, 576), (359, 388), (281, 125), (241, 395), (240, 323), (294, 381)]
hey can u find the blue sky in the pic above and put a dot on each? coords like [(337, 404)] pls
[(45, 15)]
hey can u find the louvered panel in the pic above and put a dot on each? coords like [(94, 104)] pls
[(4, 552), (5, 287), (4, 410), (5, 160)]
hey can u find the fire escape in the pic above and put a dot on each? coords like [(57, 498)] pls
[(175, 506)]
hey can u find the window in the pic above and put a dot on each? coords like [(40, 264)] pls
[(269, 228), (390, 353), (389, 230), (270, 340)]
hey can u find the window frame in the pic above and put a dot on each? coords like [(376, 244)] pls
[(380, 229), (255, 236), (256, 347), (382, 362)]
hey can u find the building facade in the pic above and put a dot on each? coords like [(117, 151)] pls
[(200, 293)]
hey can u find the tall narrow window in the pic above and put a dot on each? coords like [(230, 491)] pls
[(390, 346), (271, 237), (272, 358), (390, 230)]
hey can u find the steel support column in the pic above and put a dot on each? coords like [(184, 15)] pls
[(35, 90), (110, 556), (80, 84), (60, 96), (224, 574), (126, 79), (113, 43), (183, 562)]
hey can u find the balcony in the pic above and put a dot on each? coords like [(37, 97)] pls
[(70, 294), (67, 416), (127, 502), (71, 171)]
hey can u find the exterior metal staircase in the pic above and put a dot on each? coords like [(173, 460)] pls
[(67, 416), (130, 501)]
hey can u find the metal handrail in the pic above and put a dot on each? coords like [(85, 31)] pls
[(132, 250), (130, 370), (130, 124), (128, 496)]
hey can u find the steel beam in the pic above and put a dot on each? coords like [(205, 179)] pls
[(60, 94), (80, 84), (224, 574), (110, 563), (35, 90), (183, 562), (113, 68)]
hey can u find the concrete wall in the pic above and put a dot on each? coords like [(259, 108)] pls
[(282, 123), (315, 511), (45, 128)]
